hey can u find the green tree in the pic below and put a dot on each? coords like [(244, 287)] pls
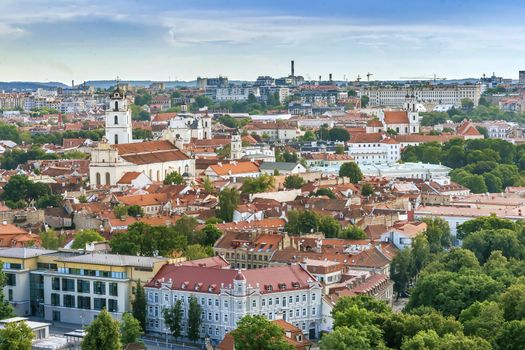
[(307, 136), (329, 226), (210, 234), (102, 334), (130, 329), (186, 226), (486, 222), (467, 103), (482, 319), (302, 222), (146, 240), (293, 182), (257, 333), (173, 318), (346, 338), (339, 134), (420, 254), (6, 310), (323, 192), (512, 336), (194, 318), (438, 234), (352, 171), (400, 271), (207, 184), (173, 178), (197, 251), (84, 237), (364, 101), (51, 240), (367, 189), (513, 302), (120, 210), (396, 326), (352, 232), (484, 242), (259, 184), (16, 336), (450, 292), (20, 188), (135, 211), (139, 305), (229, 199), (430, 340)]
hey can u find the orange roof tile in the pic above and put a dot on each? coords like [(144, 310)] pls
[(396, 117)]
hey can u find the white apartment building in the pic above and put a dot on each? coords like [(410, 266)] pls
[(225, 296), (236, 93), (374, 148), (393, 96)]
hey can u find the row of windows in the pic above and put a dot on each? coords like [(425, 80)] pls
[(93, 273), (12, 266), (83, 302), (153, 297), (83, 286)]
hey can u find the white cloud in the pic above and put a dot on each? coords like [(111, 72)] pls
[(7, 30)]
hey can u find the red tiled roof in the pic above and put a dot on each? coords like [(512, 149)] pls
[(235, 168), (396, 117), (374, 123), (366, 138), (128, 177), (209, 280)]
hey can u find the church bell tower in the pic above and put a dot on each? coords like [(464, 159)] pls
[(118, 119)]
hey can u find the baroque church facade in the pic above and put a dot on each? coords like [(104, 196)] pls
[(118, 154)]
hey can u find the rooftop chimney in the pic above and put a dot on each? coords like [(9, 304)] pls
[(293, 68)]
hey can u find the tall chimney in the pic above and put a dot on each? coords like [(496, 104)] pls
[(330, 77), (72, 83), (293, 69)]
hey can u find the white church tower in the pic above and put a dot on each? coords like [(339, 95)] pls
[(236, 146), (118, 119)]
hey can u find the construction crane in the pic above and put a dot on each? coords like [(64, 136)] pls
[(358, 79), (434, 77), (368, 75)]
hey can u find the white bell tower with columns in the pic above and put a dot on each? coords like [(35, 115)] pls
[(118, 119)]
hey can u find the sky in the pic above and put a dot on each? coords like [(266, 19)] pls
[(64, 40)]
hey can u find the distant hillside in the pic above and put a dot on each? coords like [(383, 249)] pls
[(28, 85)]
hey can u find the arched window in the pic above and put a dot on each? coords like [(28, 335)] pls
[(116, 105), (116, 119), (116, 139), (158, 175), (108, 179), (98, 179), (187, 169)]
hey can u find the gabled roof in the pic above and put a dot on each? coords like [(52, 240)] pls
[(282, 166), (128, 177), (145, 199), (235, 168), (396, 117)]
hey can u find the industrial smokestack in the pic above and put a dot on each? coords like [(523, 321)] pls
[(293, 68), (72, 83), (330, 77)]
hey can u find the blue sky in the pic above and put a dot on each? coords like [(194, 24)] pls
[(61, 40)]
